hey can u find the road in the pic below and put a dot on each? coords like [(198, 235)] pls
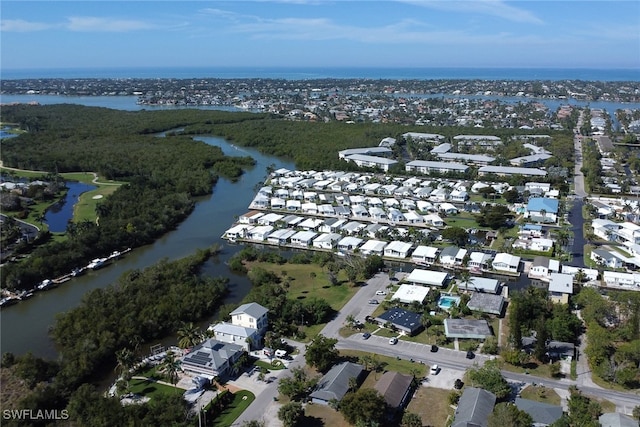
[(265, 407), (578, 179)]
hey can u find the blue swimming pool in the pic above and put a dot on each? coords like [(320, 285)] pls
[(445, 302)]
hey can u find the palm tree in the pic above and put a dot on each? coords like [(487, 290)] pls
[(125, 359), (189, 335), (350, 320), (466, 279), (170, 367)]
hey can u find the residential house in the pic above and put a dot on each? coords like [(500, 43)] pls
[(395, 388), (474, 407), (448, 208), (281, 236), (412, 217), (373, 247), (251, 315), (542, 209), (327, 241), (331, 225), (616, 419), (467, 329), (542, 414), (425, 255), (363, 160), (336, 383), (212, 358), (405, 321), (397, 249), (560, 287), (349, 244), (606, 258), (303, 238), (434, 220), (506, 262), (424, 166), (259, 233), (250, 217), (452, 256), (542, 267), (479, 261), (428, 277)]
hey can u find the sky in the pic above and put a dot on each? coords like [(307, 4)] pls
[(320, 33)]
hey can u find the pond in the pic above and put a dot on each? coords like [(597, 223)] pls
[(59, 214)]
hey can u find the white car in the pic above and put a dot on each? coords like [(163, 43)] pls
[(434, 369), (381, 292), (393, 341)]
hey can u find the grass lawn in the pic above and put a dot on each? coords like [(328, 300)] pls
[(151, 388), (241, 400), (541, 394), (390, 363), (323, 415), (310, 280), (269, 366), (432, 405)]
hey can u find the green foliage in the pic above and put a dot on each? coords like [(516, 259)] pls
[(409, 419), (490, 378), (508, 414), (163, 175), (494, 216), (582, 410), (291, 414), (364, 406), (456, 235), (34, 370), (321, 353), (298, 386), (145, 304)]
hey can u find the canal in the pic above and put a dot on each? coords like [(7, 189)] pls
[(25, 326)]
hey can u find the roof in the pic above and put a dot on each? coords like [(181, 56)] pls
[(474, 407), (235, 330), (252, 309), (482, 284), (368, 150), (616, 419), (404, 320), (542, 413), (427, 277), (537, 204), (371, 159), (449, 251), (562, 283), (335, 383), (437, 165), (505, 170), (503, 257), (409, 293), (393, 387), (466, 328), (486, 303), (211, 354)]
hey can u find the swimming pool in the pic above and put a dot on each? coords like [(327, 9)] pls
[(445, 302)]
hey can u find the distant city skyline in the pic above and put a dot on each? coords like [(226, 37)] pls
[(320, 33)]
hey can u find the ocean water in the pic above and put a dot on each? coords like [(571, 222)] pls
[(289, 73)]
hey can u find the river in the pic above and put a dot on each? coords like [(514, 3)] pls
[(25, 326)]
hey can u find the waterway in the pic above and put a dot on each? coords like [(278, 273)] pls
[(59, 214), (24, 327)]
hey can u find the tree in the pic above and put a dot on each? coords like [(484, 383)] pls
[(125, 359), (409, 419), (321, 353), (456, 235), (466, 279), (170, 366), (364, 406), (298, 385), (508, 414), (582, 410), (490, 378), (291, 414), (189, 335), (636, 412)]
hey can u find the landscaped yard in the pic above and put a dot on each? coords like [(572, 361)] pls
[(432, 404), (241, 401), (390, 363), (150, 388), (541, 394), (322, 415)]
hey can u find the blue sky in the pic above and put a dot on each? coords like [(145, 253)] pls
[(314, 33)]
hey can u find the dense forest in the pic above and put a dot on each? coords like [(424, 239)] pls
[(163, 175), (142, 306)]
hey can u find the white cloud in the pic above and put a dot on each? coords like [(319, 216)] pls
[(95, 24), (497, 8), (22, 26)]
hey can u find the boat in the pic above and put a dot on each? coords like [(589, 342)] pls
[(46, 284), (78, 272), (25, 295), (97, 263), (5, 302)]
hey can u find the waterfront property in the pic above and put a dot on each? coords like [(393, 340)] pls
[(428, 277), (212, 358), (411, 293)]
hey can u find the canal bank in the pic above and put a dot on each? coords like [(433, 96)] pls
[(24, 327)]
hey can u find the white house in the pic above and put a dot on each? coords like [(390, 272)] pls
[(237, 232), (373, 247), (606, 258), (560, 287), (397, 249), (433, 219), (327, 241), (250, 217), (251, 315), (303, 238), (259, 233), (281, 236), (349, 244), (479, 261), (452, 256), (424, 255), (506, 262)]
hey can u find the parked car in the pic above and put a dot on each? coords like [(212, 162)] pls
[(470, 354), (366, 336), (434, 369), (393, 340), (373, 301), (281, 353), (458, 384), (434, 348), (381, 292)]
